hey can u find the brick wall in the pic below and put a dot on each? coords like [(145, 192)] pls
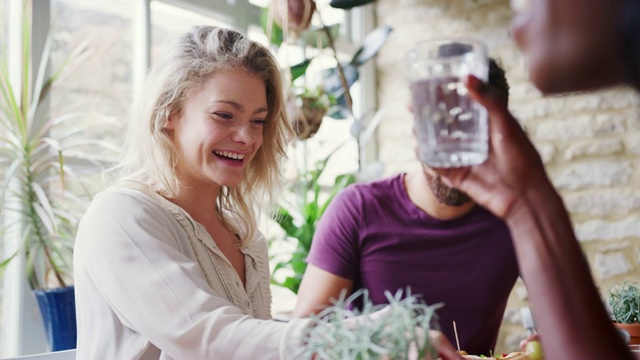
[(590, 143)]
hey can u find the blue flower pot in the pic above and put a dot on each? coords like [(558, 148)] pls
[(58, 309)]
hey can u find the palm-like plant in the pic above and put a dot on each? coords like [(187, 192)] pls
[(299, 217), (44, 164)]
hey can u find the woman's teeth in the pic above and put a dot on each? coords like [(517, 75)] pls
[(229, 155)]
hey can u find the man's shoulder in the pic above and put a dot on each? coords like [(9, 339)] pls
[(365, 195), (379, 187)]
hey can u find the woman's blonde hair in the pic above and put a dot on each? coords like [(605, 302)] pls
[(150, 157)]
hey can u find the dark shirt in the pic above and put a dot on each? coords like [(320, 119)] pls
[(373, 234)]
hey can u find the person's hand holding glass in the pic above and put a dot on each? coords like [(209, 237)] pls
[(451, 128)]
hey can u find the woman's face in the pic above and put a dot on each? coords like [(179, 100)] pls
[(569, 44), (220, 129)]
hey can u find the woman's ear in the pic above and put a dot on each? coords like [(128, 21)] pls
[(171, 122)]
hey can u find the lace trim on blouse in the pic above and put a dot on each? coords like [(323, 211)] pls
[(253, 300)]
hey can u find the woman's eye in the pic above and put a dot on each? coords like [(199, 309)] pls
[(223, 115), (260, 121)]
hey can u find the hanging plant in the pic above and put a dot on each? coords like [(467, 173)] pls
[(306, 109), (293, 14)]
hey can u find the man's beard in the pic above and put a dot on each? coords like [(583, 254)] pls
[(445, 194)]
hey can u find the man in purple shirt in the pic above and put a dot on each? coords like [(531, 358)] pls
[(413, 231)]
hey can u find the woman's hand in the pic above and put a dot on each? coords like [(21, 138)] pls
[(513, 166)]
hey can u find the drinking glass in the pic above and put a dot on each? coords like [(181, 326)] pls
[(451, 129)]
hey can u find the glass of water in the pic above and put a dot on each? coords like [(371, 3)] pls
[(451, 129)]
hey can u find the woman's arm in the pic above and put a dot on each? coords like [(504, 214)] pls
[(136, 286)]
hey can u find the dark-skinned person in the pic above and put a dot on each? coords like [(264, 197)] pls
[(569, 45)]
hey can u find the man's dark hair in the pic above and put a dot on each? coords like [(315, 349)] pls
[(496, 73)]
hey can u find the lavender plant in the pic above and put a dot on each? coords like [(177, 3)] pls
[(391, 331), (624, 302)]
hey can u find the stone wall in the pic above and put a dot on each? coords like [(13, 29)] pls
[(590, 143)]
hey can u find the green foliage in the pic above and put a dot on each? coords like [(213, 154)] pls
[(624, 301), (313, 35), (337, 80), (299, 218), (376, 332), (272, 28), (43, 164), (314, 98)]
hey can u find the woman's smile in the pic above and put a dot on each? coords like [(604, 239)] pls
[(220, 129)]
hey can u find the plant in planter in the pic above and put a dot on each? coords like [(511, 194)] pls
[(308, 108), (624, 302), (335, 81), (376, 332), (295, 15), (44, 162), (298, 218)]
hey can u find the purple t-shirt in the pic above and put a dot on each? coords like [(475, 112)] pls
[(373, 233)]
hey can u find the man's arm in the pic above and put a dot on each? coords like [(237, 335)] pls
[(513, 184), (319, 288)]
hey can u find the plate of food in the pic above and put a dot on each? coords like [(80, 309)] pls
[(516, 355), (533, 350)]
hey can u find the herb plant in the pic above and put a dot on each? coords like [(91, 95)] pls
[(624, 302), (391, 331)]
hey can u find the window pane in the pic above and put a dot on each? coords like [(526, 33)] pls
[(100, 85), (169, 22)]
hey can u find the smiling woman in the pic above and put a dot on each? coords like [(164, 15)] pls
[(219, 130), (178, 230), (168, 263)]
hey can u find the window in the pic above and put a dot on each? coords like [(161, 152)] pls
[(101, 86)]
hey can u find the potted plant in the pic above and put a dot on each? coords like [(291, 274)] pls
[(298, 218), (624, 302), (307, 109), (44, 163), (293, 14), (335, 81), (397, 331)]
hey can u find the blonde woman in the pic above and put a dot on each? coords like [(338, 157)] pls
[(168, 261)]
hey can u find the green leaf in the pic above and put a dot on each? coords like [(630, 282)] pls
[(271, 27), (299, 69), (341, 182), (292, 284), (317, 37), (36, 166), (7, 261), (348, 4)]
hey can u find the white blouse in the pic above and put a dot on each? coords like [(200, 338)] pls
[(151, 283)]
